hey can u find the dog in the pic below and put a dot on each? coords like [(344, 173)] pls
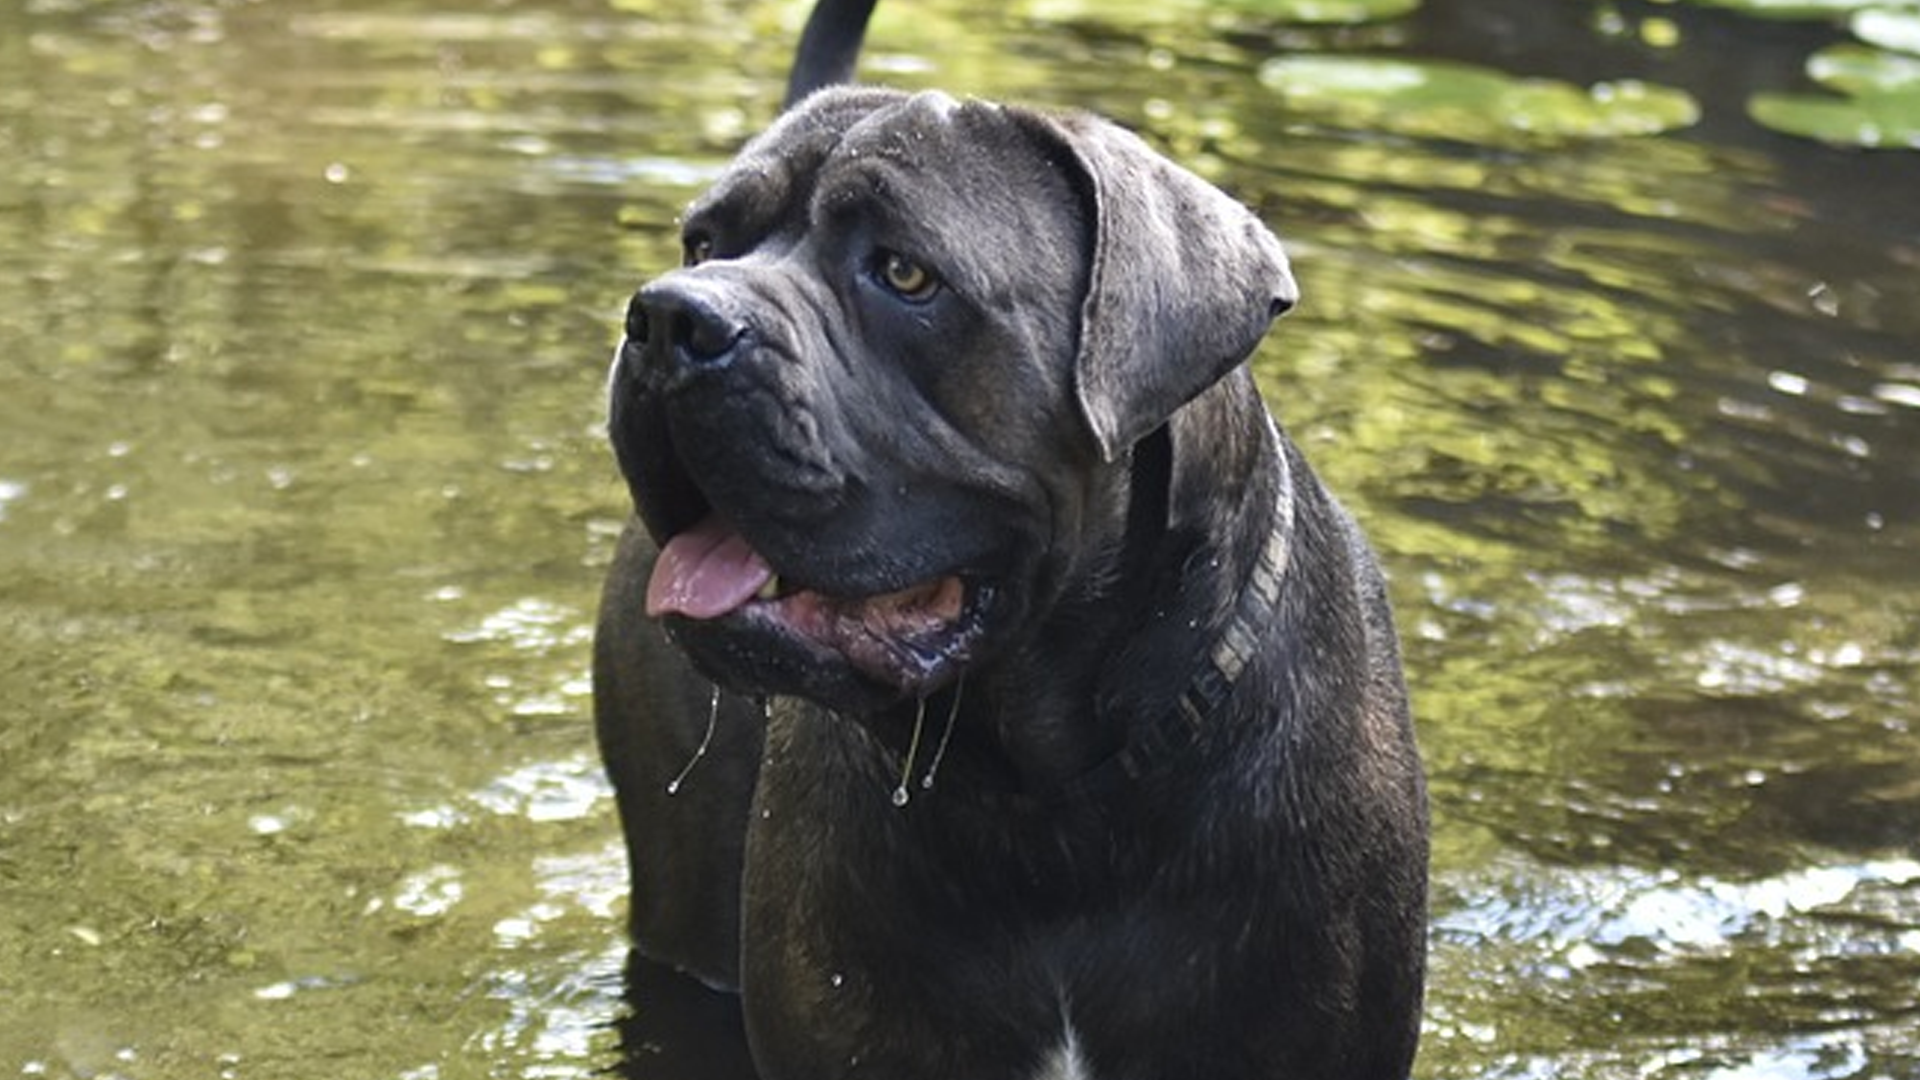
[(989, 687)]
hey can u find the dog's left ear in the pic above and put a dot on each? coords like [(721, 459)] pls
[(1183, 284)]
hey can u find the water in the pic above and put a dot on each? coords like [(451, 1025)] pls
[(304, 313)]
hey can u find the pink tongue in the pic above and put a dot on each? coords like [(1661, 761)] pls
[(705, 572)]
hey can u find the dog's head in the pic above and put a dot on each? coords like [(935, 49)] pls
[(872, 419)]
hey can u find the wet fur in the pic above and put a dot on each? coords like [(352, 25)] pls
[(1252, 906)]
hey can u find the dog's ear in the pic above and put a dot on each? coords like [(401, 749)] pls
[(1183, 284)]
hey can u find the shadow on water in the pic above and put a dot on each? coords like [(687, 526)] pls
[(303, 505)]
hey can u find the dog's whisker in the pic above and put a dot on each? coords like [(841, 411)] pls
[(946, 734), (706, 740), (901, 795)]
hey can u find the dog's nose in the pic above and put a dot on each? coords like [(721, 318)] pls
[(683, 326)]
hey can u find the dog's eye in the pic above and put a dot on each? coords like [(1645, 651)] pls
[(906, 278), (698, 249)]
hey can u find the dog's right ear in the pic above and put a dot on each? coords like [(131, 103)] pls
[(1183, 284)]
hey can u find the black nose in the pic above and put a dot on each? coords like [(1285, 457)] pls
[(683, 326)]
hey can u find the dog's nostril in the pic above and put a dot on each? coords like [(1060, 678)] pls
[(703, 336), (683, 326)]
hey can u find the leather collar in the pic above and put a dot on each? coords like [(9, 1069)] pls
[(1212, 684)]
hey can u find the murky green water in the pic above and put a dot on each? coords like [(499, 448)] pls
[(304, 311)]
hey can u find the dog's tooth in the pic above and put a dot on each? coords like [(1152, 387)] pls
[(770, 590)]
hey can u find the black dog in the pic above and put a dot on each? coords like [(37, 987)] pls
[(1048, 717)]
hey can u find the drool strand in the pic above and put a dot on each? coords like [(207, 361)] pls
[(706, 740), (940, 751), (900, 794)]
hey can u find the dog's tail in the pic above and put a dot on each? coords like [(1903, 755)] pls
[(828, 47)]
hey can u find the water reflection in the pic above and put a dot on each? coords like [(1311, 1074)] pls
[(1827, 963), (303, 504)]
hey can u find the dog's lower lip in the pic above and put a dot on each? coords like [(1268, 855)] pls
[(906, 613), (909, 639)]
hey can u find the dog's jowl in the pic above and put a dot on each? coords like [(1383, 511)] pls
[(990, 688)]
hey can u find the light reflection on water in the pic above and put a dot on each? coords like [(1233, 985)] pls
[(303, 504), (1644, 935)]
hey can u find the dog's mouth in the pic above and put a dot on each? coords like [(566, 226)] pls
[(910, 640)]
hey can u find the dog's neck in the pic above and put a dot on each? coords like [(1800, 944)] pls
[(1205, 542), (1234, 575)]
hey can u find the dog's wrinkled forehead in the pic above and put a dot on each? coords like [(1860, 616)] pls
[(777, 168), (970, 181)]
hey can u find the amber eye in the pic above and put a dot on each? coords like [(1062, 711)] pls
[(907, 278), (698, 249)]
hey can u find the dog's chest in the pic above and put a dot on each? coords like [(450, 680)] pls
[(1065, 1062)]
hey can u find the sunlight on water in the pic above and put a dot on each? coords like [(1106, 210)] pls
[(548, 791)]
